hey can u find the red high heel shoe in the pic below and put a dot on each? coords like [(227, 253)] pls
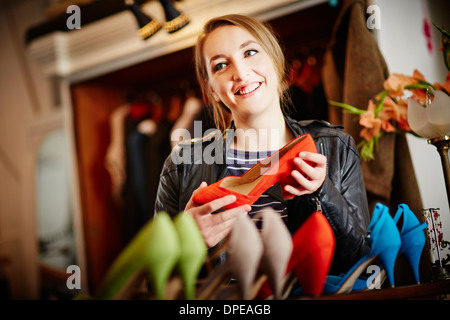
[(312, 254), (249, 187)]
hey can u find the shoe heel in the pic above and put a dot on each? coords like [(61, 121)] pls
[(245, 260), (413, 237), (314, 239), (244, 252), (388, 258), (312, 271), (414, 242), (163, 252), (277, 249), (384, 240), (413, 258), (193, 252)]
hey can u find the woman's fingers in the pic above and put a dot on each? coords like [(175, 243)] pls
[(309, 174), (215, 226)]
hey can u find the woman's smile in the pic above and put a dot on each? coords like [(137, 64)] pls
[(245, 90)]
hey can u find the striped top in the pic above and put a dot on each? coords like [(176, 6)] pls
[(239, 162)]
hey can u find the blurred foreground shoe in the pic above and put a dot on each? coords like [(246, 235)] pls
[(310, 261), (159, 250)]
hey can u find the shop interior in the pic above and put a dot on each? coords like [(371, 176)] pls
[(99, 104)]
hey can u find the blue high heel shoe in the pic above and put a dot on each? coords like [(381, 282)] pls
[(412, 236), (384, 241)]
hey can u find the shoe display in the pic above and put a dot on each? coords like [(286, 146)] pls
[(263, 175), (165, 257), (411, 244)]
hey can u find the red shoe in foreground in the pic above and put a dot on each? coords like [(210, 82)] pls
[(249, 187), (312, 254)]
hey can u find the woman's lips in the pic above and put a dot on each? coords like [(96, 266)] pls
[(246, 89)]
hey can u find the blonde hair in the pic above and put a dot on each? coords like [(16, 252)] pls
[(265, 36)]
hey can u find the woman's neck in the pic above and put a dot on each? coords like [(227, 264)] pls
[(262, 133)]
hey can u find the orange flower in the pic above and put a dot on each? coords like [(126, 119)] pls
[(368, 134), (371, 124), (390, 109), (418, 75), (391, 114), (396, 83), (419, 95), (397, 111), (402, 121)]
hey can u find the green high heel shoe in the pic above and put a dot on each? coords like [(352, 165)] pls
[(154, 250), (193, 252)]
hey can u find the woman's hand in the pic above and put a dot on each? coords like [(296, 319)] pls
[(214, 227), (310, 173)]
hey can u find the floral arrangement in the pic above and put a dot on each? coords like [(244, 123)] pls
[(387, 112)]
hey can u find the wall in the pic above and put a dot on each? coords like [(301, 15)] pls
[(25, 102), (403, 44)]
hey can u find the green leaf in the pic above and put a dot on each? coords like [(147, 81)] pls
[(366, 149), (445, 45), (421, 85), (348, 107), (380, 103), (443, 31)]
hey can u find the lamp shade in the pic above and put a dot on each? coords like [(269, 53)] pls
[(432, 121)]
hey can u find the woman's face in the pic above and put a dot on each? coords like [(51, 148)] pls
[(240, 73)]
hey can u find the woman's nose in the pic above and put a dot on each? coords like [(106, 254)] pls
[(240, 71)]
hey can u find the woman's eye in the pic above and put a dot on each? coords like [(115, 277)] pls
[(219, 66), (250, 52)]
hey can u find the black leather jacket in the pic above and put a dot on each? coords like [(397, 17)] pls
[(342, 196)]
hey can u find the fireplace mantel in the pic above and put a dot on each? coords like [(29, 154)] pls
[(112, 43)]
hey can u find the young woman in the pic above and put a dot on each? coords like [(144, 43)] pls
[(241, 70)]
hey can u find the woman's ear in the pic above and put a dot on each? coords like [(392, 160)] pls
[(213, 94)]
